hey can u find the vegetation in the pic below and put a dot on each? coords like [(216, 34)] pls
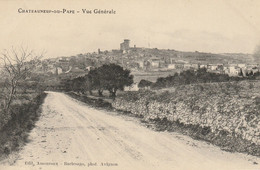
[(20, 98), (77, 84), (92, 102), (17, 66), (113, 77), (144, 84), (14, 133), (199, 76), (110, 77), (93, 82), (226, 114)]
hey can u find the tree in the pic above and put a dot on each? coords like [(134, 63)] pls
[(188, 76), (17, 64), (77, 84), (93, 82), (240, 73), (144, 83), (112, 77)]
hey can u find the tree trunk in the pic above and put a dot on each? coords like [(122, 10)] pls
[(100, 93), (10, 99), (113, 92)]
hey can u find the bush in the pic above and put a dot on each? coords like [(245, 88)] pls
[(14, 131), (194, 77), (99, 103)]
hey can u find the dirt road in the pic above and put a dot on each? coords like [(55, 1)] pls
[(75, 136)]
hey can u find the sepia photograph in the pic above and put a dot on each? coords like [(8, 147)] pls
[(130, 85)]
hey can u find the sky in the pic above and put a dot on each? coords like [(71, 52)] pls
[(216, 26)]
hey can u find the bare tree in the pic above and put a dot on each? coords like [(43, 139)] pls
[(16, 64)]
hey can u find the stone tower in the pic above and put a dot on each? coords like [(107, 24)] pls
[(124, 46)]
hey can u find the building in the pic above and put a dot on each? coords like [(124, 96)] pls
[(234, 70), (154, 62), (212, 67), (179, 66), (90, 68), (140, 64), (172, 60), (241, 65), (58, 71), (187, 65), (52, 71), (171, 66), (63, 63), (195, 66), (114, 51), (203, 66), (125, 46), (252, 66)]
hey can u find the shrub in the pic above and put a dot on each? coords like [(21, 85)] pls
[(14, 131)]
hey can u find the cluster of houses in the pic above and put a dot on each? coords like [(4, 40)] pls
[(143, 59), (233, 69), (242, 69), (230, 69), (60, 66), (63, 66)]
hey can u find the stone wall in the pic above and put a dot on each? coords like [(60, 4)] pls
[(234, 108)]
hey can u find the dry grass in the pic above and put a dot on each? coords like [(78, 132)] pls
[(24, 114)]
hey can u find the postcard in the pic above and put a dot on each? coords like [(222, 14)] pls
[(123, 85)]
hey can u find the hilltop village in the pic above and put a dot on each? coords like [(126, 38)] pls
[(149, 60)]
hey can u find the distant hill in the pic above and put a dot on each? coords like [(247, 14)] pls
[(132, 58)]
